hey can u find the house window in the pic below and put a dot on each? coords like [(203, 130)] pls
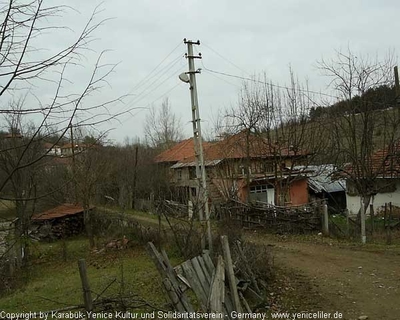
[(259, 189), (268, 167), (179, 174), (192, 173)]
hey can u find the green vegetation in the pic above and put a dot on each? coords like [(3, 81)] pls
[(51, 283), (7, 209)]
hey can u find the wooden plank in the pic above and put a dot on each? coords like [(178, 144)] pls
[(205, 270), (173, 296), (182, 284), (230, 274), (227, 301), (201, 276), (157, 258), (194, 281), (166, 261), (208, 262), (210, 266), (217, 292), (228, 304), (167, 272)]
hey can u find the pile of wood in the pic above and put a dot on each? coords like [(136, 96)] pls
[(215, 287), (58, 228)]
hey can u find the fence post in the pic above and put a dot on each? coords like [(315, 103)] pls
[(87, 294), (230, 274), (346, 211), (325, 226), (389, 225)]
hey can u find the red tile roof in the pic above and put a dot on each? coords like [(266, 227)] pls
[(386, 161), (180, 152), (239, 145), (63, 210), (49, 145)]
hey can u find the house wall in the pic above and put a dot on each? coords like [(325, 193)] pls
[(354, 205), (230, 175), (299, 192)]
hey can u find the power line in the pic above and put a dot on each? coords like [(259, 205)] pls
[(139, 84), (222, 57), (156, 83), (146, 107), (145, 85), (251, 79), (270, 84)]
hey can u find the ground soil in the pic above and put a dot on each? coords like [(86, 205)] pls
[(329, 276), (320, 274)]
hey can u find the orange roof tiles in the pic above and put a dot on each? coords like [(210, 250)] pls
[(384, 163), (180, 152), (49, 145), (239, 145)]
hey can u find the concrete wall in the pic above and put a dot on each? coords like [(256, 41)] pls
[(299, 192), (353, 202)]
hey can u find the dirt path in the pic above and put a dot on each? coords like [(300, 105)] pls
[(352, 281)]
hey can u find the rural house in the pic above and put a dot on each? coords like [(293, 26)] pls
[(66, 149), (384, 167), (323, 183), (244, 167)]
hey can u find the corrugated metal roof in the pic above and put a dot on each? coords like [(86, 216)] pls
[(63, 210), (320, 179)]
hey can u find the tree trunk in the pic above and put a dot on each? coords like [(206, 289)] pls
[(89, 226), (363, 210)]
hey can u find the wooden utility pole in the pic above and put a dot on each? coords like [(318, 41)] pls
[(198, 143)]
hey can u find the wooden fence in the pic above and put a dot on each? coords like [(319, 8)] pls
[(295, 219), (214, 287), (384, 226)]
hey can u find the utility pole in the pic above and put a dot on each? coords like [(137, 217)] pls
[(198, 143), (396, 84), (73, 163)]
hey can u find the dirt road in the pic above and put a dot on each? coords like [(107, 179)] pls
[(352, 280)]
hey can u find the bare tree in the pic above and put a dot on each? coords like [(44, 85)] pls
[(162, 127), (278, 118), (25, 66), (358, 127)]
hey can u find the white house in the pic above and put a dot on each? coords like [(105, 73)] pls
[(390, 193), (384, 173)]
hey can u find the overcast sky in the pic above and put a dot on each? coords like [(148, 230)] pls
[(237, 37)]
